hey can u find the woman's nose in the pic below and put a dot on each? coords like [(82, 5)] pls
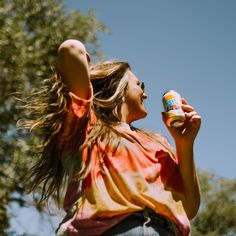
[(145, 95)]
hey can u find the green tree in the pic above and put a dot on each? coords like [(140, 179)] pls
[(217, 214), (30, 32)]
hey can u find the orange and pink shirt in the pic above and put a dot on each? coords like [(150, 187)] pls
[(142, 172)]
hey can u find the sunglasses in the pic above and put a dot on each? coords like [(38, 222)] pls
[(142, 86)]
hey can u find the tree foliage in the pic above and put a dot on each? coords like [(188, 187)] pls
[(217, 214), (30, 32)]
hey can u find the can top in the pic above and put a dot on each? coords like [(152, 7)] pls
[(170, 90)]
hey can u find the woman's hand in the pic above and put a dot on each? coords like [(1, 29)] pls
[(184, 137), (188, 132)]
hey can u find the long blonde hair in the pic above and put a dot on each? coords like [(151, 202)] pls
[(45, 110), (109, 83)]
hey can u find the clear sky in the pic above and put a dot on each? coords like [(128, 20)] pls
[(189, 46), (186, 45)]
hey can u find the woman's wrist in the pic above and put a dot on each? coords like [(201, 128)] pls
[(181, 143)]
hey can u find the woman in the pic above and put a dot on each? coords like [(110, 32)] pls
[(121, 180)]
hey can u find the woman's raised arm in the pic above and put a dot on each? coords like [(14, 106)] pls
[(73, 62)]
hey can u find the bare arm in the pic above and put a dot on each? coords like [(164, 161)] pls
[(184, 139), (188, 172), (73, 67)]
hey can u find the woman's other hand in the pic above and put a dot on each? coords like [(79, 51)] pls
[(188, 131)]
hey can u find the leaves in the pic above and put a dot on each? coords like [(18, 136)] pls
[(30, 33), (217, 215)]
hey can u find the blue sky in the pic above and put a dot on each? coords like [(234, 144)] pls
[(185, 45), (189, 46)]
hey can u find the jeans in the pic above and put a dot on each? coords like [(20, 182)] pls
[(144, 223)]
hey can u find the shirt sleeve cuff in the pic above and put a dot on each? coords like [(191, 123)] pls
[(80, 105)]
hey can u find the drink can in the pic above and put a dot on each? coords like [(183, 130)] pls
[(172, 105)]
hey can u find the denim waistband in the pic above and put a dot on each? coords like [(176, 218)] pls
[(150, 217)]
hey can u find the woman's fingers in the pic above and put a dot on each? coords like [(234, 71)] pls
[(196, 120), (184, 101), (187, 108), (190, 114)]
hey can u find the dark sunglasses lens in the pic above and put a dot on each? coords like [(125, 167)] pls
[(143, 86)]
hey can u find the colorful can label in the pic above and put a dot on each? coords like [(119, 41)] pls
[(172, 105)]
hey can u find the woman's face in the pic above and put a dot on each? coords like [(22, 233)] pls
[(134, 99)]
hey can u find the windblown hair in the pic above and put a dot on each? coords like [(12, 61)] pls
[(109, 83), (109, 86), (46, 110)]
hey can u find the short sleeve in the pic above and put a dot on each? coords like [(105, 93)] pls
[(80, 106), (75, 123)]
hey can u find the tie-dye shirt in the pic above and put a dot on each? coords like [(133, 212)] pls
[(142, 172)]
